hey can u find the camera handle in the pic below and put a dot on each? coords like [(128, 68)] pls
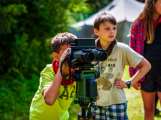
[(69, 64)]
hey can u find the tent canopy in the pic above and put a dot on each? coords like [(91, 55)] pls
[(122, 10)]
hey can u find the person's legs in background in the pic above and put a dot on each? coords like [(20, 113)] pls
[(149, 104), (156, 101), (158, 94), (148, 91)]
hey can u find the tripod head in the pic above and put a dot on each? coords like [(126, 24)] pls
[(82, 55)]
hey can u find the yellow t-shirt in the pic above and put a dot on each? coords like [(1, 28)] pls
[(39, 110), (113, 68)]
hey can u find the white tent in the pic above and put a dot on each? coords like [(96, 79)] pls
[(125, 12)]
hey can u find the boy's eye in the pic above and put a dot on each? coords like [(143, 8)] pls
[(115, 28), (107, 28)]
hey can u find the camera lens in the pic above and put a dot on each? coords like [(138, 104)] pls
[(87, 57), (90, 56), (103, 56)]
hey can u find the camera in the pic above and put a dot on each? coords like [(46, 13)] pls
[(83, 56)]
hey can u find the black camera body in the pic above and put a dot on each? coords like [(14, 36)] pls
[(83, 52)]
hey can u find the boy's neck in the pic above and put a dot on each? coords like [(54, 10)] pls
[(105, 44)]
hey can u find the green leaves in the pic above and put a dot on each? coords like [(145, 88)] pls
[(8, 16), (14, 9), (80, 6)]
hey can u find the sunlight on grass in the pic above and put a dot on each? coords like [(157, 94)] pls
[(135, 104)]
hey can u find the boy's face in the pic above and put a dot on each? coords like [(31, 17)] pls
[(107, 31)]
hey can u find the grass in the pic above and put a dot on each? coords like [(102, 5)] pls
[(135, 104)]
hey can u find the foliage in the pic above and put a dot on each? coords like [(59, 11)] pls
[(16, 97), (26, 28), (98, 4)]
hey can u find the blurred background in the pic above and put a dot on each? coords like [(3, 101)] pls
[(26, 28)]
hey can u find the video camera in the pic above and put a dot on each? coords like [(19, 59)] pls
[(83, 56)]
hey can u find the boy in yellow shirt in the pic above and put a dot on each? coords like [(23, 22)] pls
[(54, 95)]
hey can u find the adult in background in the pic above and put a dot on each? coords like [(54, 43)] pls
[(145, 38)]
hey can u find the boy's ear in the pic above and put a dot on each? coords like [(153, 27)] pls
[(55, 56), (96, 32)]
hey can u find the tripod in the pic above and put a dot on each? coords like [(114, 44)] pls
[(86, 113), (86, 92)]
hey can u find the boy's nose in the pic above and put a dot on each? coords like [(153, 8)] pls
[(112, 31)]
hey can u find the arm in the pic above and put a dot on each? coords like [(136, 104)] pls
[(51, 93), (144, 68), (132, 44)]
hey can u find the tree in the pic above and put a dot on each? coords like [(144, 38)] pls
[(26, 27), (98, 4)]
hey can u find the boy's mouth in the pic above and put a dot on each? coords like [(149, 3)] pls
[(111, 36)]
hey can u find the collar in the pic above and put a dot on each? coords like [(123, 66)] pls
[(156, 22)]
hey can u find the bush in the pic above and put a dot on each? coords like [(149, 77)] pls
[(16, 96)]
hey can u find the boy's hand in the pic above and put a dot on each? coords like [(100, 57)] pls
[(137, 86), (120, 84), (64, 66)]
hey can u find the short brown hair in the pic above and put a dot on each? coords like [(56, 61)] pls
[(61, 39), (103, 17)]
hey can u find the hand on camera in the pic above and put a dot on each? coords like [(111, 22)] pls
[(65, 68)]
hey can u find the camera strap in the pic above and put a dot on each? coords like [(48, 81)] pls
[(55, 65)]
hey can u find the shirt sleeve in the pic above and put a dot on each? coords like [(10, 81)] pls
[(130, 57), (46, 77)]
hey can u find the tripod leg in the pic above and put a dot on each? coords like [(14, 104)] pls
[(78, 117)]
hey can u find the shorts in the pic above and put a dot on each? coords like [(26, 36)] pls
[(112, 112), (151, 84)]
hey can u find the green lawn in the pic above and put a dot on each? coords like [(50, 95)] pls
[(135, 104)]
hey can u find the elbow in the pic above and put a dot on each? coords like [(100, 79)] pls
[(49, 103), (48, 100), (149, 66), (146, 65)]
